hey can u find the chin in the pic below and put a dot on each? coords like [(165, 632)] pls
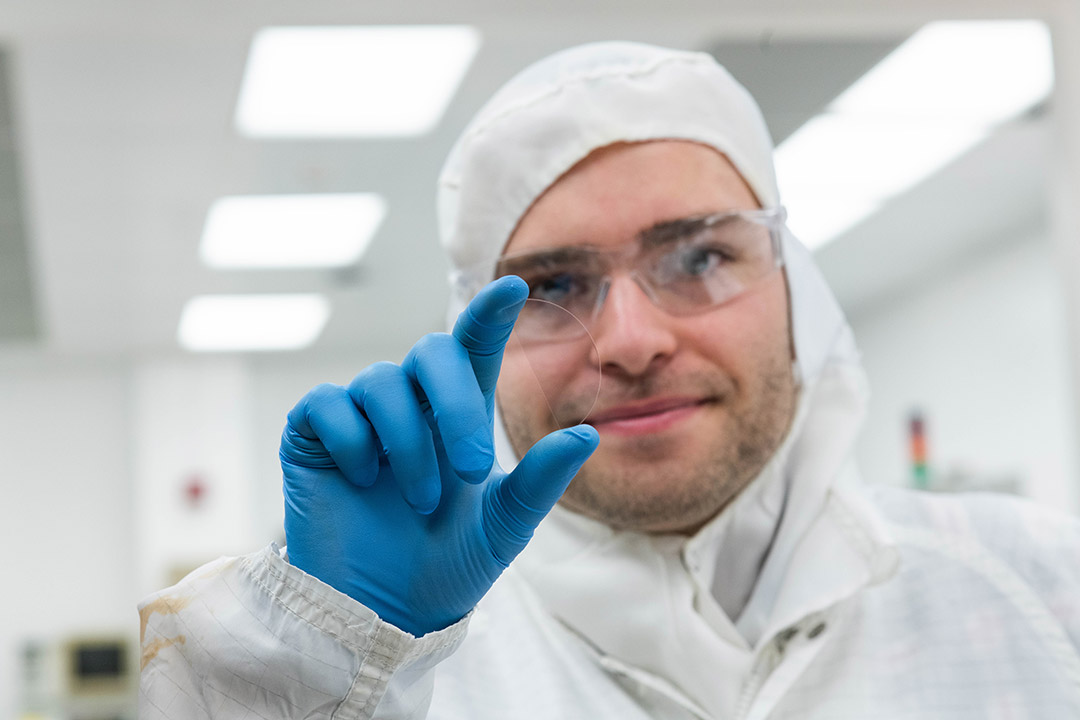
[(657, 499)]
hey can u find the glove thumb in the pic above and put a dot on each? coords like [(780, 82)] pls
[(515, 505)]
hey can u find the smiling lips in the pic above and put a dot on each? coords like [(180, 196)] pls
[(648, 417)]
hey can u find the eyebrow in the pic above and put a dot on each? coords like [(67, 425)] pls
[(570, 254), (660, 234), (669, 231)]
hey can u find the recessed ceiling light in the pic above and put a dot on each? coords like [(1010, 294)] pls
[(211, 323), (352, 81), (264, 231), (837, 169), (932, 99), (980, 72), (816, 221)]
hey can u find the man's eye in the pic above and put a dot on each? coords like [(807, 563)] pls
[(554, 288), (699, 261)]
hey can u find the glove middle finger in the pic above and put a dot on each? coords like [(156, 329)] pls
[(387, 397), (440, 365)]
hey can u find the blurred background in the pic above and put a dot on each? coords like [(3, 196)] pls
[(157, 165)]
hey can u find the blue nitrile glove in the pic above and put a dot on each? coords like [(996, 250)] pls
[(392, 493)]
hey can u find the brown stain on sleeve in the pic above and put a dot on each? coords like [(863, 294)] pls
[(150, 650), (163, 606)]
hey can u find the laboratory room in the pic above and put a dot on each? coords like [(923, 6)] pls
[(545, 361)]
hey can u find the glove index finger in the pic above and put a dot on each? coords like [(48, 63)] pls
[(485, 325)]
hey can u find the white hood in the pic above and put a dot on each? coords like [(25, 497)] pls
[(724, 582)]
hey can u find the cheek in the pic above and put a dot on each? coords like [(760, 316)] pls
[(749, 334)]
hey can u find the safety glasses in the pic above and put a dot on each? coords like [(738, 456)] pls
[(684, 266)]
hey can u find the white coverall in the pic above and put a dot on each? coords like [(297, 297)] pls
[(808, 597)]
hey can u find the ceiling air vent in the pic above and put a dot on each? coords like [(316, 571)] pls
[(18, 311)]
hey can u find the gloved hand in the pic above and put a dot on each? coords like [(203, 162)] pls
[(392, 493)]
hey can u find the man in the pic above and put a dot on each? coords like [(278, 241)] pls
[(713, 558)]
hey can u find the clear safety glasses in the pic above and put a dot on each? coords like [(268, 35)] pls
[(685, 267)]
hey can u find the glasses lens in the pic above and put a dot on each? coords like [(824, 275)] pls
[(686, 266), (547, 321), (713, 265), (559, 380), (565, 279)]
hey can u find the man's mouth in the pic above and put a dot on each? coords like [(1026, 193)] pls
[(647, 417)]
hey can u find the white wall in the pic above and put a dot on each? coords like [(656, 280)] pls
[(65, 518), (982, 351), (191, 418)]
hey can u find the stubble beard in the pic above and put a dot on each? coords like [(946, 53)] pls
[(662, 492)]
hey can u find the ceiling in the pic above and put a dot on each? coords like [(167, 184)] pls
[(116, 136)]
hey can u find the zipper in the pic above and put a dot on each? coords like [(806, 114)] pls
[(766, 662)]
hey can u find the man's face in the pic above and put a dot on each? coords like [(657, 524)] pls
[(690, 407)]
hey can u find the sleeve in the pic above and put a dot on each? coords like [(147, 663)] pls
[(255, 637), (1037, 543), (1043, 545)]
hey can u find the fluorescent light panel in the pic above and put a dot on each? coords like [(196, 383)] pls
[(932, 99), (837, 169), (817, 218), (352, 81), (214, 323), (290, 231), (979, 72)]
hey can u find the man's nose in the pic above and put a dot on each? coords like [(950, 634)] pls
[(633, 336)]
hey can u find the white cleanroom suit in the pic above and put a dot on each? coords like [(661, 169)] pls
[(809, 596)]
